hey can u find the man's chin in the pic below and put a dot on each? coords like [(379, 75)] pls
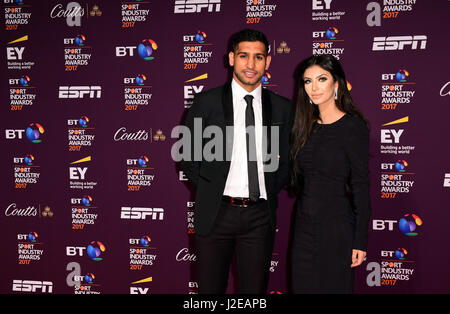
[(249, 82)]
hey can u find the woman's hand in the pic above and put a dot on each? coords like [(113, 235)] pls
[(357, 257)]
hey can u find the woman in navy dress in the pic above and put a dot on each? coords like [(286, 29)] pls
[(329, 167)]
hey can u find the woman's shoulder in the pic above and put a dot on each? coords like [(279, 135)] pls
[(356, 123), (354, 126)]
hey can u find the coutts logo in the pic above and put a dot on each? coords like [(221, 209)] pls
[(184, 256), (445, 90), (13, 210), (123, 135)]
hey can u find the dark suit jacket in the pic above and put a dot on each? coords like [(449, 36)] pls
[(215, 107)]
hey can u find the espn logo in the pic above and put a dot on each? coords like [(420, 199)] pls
[(447, 180), (80, 91), (399, 42), (196, 6), (32, 286), (142, 213)]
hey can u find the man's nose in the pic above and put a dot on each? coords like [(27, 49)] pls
[(250, 63)]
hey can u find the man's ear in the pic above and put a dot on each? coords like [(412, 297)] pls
[(231, 58), (268, 60)]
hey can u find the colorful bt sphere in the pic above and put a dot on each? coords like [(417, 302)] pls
[(200, 37), (143, 161), (32, 236), (409, 223), (89, 278), (349, 86), (87, 200), (140, 79), (400, 253), (146, 49), (34, 132), (145, 241), (83, 122), (25, 80), (401, 75), (79, 40), (401, 165), (95, 249), (331, 32), (29, 159), (266, 78)]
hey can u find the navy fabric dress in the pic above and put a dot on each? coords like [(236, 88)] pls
[(333, 210)]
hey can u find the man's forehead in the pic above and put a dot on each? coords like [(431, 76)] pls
[(251, 46)]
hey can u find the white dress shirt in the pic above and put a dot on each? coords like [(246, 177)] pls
[(237, 180)]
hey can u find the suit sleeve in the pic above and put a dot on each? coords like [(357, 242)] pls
[(189, 165), (283, 174), (357, 150)]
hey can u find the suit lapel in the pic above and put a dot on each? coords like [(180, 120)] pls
[(266, 116), (266, 147), (227, 105)]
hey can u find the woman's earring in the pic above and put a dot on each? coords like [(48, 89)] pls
[(335, 94), (310, 101)]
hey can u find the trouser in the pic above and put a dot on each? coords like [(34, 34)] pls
[(245, 232)]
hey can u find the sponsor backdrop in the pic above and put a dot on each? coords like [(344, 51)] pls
[(91, 200)]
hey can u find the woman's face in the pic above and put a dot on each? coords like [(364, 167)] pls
[(319, 85)]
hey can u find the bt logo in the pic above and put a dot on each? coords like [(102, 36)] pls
[(145, 49), (93, 250), (33, 133), (330, 33), (401, 76), (408, 224)]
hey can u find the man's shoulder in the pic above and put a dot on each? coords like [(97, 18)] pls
[(281, 102), (277, 97), (215, 92)]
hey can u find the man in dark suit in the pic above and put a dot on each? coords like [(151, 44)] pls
[(238, 180)]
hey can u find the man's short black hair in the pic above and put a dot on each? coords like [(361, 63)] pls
[(248, 35)]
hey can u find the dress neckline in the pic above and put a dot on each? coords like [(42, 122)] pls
[(333, 123)]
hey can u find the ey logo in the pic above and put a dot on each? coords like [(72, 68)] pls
[(78, 173), (392, 135)]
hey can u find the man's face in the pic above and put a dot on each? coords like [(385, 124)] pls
[(249, 62)]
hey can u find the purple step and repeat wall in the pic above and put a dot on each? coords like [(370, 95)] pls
[(91, 200)]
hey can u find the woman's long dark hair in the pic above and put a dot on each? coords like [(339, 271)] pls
[(306, 113)]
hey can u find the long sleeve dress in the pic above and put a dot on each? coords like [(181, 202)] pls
[(333, 210)]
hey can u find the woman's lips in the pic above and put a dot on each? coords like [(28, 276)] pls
[(315, 96)]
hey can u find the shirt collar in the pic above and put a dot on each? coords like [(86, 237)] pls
[(239, 92)]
